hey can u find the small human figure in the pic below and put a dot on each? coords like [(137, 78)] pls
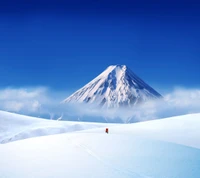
[(106, 130)]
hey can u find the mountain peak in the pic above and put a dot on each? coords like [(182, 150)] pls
[(115, 71), (114, 87), (118, 66)]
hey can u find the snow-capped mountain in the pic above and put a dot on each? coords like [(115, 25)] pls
[(116, 86)]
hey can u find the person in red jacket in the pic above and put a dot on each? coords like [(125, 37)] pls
[(106, 130)]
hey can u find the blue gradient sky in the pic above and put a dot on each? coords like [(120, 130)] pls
[(63, 45)]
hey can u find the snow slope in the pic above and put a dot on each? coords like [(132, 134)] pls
[(116, 86), (128, 151), (183, 130), (16, 127)]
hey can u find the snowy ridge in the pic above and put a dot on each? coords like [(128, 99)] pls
[(115, 87)]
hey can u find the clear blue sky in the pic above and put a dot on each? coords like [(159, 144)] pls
[(63, 45)]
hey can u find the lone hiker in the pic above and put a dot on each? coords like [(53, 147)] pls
[(106, 130)]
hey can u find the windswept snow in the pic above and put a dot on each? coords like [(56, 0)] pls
[(183, 130), (116, 86), (152, 149), (16, 127)]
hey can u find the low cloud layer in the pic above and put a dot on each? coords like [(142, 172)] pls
[(46, 103), (18, 100), (30, 101)]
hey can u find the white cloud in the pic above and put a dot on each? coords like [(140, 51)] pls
[(178, 102), (12, 106), (42, 101), (19, 94), (23, 100)]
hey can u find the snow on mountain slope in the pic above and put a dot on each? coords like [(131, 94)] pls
[(116, 86), (16, 127), (183, 130), (120, 154)]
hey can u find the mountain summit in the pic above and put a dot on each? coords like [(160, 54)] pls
[(115, 87)]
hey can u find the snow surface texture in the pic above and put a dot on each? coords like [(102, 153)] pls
[(116, 86), (141, 150), (183, 130), (16, 127)]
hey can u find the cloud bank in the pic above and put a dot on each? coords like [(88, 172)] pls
[(37, 101), (18, 100), (43, 102)]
